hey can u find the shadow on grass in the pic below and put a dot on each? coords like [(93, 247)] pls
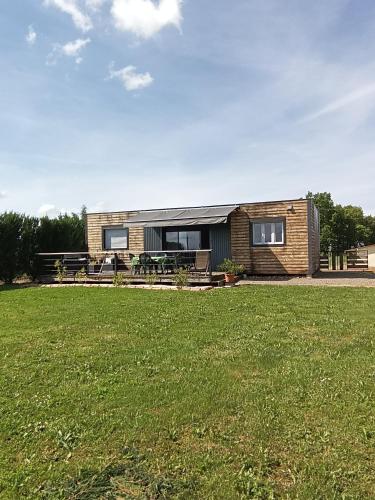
[(129, 478), (17, 286)]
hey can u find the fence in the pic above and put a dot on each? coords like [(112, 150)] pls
[(109, 264), (356, 259)]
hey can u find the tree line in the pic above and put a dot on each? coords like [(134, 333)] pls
[(22, 237), (342, 227)]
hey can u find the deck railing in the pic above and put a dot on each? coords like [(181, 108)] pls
[(110, 263)]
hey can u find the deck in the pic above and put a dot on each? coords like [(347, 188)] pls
[(216, 279), (74, 264)]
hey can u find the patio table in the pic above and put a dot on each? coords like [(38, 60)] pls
[(161, 260)]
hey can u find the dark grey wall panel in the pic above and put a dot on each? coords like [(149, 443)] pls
[(153, 239), (220, 243)]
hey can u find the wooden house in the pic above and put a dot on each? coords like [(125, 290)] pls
[(269, 238)]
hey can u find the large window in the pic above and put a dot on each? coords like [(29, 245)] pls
[(115, 238), (175, 239), (268, 232)]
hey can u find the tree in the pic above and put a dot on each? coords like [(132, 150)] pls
[(66, 233), (28, 246), (325, 204), (342, 227), (10, 244), (22, 237), (327, 209)]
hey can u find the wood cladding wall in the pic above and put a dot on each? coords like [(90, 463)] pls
[(97, 222), (291, 258)]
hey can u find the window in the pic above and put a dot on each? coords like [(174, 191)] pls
[(115, 238), (268, 233), (176, 239)]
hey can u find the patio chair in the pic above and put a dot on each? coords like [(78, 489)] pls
[(202, 262), (134, 264), (146, 263), (108, 266), (171, 263)]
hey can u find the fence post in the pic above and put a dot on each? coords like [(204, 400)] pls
[(338, 262), (330, 261), (345, 262)]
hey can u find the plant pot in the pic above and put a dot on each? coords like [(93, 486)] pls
[(230, 278)]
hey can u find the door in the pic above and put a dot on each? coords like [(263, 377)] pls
[(220, 244)]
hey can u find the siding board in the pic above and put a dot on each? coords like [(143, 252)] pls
[(291, 258)]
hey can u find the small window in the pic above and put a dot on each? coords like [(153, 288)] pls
[(115, 238), (268, 233)]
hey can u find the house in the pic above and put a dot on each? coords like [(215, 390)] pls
[(270, 238)]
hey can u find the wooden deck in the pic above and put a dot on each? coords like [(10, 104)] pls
[(216, 279)]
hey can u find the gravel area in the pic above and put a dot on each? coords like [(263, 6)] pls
[(323, 278)]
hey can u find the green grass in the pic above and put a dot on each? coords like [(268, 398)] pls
[(253, 392)]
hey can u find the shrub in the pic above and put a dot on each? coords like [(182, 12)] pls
[(181, 278), (61, 273), (151, 278), (28, 247), (81, 275), (10, 245), (230, 267), (118, 279), (64, 233), (22, 237)]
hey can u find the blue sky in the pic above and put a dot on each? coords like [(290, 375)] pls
[(122, 104)]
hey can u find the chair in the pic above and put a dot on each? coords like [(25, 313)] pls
[(171, 263), (108, 266), (202, 262), (134, 265), (146, 263)]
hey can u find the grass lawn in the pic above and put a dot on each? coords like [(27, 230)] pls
[(253, 392)]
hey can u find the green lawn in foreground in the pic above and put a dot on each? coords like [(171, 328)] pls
[(248, 392)]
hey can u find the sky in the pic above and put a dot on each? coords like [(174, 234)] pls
[(131, 104)]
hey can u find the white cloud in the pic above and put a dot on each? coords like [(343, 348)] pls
[(31, 35), (47, 209), (130, 78), (73, 49), (343, 102), (70, 49), (3, 195), (144, 18), (71, 7), (95, 5)]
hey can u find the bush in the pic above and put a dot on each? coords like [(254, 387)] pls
[(28, 247), (81, 275), (65, 233), (22, 237), (181, 278), (118, 279), (230, 267), (11, 225), (151, 278), (61, 273)]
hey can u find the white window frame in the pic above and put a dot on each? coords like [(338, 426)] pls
[(273, 241), (115, 228)]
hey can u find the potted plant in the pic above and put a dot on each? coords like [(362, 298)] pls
[(231, 270)]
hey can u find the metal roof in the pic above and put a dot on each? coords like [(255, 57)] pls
[(181, 216)]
